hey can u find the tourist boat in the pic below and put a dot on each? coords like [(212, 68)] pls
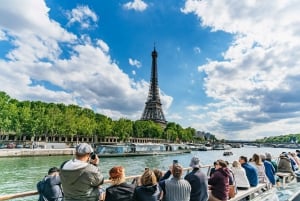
[(140, 149), (227, 153), (221, 147), (204, 148)]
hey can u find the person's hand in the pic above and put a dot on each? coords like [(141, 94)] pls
[(95, 161)]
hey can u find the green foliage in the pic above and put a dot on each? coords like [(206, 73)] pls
[(36, 118), (289, 138)]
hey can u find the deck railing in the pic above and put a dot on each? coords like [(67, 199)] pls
[(32, 193), (241, 194)]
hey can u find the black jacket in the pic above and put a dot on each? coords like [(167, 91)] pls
[(146, 193), (121, 192)]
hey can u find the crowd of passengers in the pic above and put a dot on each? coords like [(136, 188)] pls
[(80, 179)]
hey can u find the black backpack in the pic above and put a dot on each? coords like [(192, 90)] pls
[(42, 187)]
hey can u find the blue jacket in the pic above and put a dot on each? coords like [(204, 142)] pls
[(251, 173), (270, 171)]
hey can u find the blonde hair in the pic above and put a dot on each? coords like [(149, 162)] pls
[(148, 178), (236, 164)]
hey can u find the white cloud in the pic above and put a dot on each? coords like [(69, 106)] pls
[(2, 35), (197, 50), (103, 45), (134, 62), (82, 15), (87, 77), (256, 84), (137, 5)]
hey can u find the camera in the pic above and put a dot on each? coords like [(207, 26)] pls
[(175, 162), (93, 155)]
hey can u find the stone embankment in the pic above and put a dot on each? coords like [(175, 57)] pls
[(35, 152)]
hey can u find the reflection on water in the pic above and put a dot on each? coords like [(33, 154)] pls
[(21, 174)]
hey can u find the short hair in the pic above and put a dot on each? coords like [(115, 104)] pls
[(177, 171), (53, 170), (244, 158), (117, 175), (148, 178)]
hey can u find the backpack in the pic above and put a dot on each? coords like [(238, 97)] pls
[(41, 188)]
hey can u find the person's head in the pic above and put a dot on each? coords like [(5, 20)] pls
[(243, 159), (148, 178), (221, 164), (117, 175), (195, 162), (268, 156), (256, 159), (236, 164), (83, 151), (158, 174), (262, 157), (215, 163), (177, 171), (53, 171)]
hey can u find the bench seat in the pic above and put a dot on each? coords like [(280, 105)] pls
[(249, 192)]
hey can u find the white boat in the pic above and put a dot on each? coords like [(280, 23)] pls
[(221, 147), (139, 149)]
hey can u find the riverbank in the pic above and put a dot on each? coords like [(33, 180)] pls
[(35, 152)]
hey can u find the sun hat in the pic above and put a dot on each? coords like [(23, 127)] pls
[(83, 149)]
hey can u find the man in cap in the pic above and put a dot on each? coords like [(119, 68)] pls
[(198, 181), (81, 177)]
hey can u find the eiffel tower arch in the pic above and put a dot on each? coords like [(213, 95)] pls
[(153, 110)]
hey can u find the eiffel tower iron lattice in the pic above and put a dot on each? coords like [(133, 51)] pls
[(153, 110)]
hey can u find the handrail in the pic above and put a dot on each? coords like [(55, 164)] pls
[(31, 193)]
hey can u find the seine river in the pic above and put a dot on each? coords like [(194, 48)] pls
[(21, 174)]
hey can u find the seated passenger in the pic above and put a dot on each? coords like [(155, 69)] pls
[(240, 176), (269, 169), (256, 161), (251, 171), (219, 182)]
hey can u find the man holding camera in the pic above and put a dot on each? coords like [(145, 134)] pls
[(80, 176)]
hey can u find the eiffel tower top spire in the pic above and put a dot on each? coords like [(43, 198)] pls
[(153, 110)]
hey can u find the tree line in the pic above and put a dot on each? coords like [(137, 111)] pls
[(36, 118)]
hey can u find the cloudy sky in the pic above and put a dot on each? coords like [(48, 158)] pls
[(226, 67)]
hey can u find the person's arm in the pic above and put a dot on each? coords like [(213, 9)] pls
[(166, 175)]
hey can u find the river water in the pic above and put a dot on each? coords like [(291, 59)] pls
[(21, 174)]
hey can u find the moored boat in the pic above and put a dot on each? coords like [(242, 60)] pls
[(221, 147), (140, 149)]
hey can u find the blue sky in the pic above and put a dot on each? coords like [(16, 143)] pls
[(226, 67)]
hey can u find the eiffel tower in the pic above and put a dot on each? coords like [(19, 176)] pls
[(153, 110)]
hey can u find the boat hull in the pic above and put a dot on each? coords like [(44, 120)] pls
[(132, 154)]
